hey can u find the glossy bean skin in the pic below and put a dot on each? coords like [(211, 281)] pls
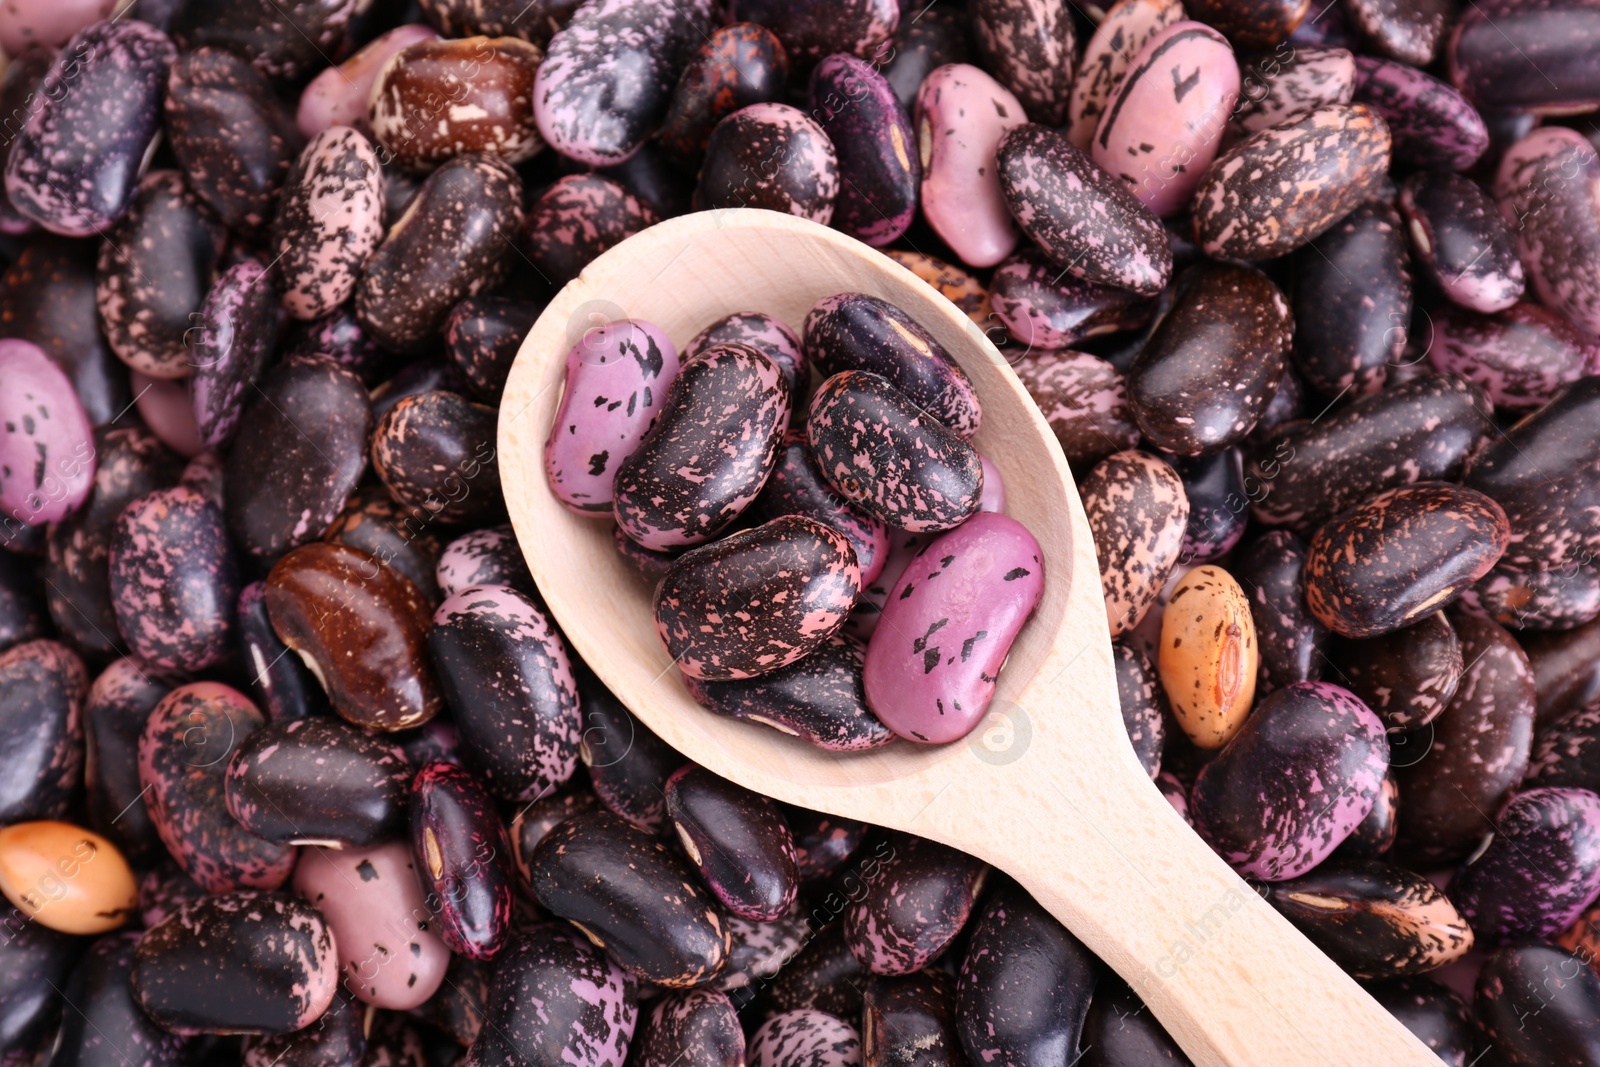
[(534, 821), (1408, 677), (329, 221), (880, 168), (824, 842), (576, 219), (114, 713), (281, 685), (1432, 124), (805, 1038), (632, 897), (490, 556), (628, 764), (824, 976), (394, 534), (1255, 817), (238, 327), (1522, 357), (1460, 241), (772, 337), (986, 577), (1121, 1032), (251, 963), (708, 454), (1564, 752), (318, 780), (173, 579), (821, 698), (1375, 835), (1209, 657), (1288, 84), (1288, 634), (1217, 494), (1536, 600), (482, 336), (889, 457), (1082, 217), (1302, 474), (341, 94), (607, 78), (1536, 1005), (77, 158), (507, 676), (1042, 309), (1331, 160), (42, 688), (758, 600), (408, 286), (770, 156), (911, 1020), (183, 762), (1024, 985), (961, 116), (738, 65), (234, 140), (1540, 870), (386, 929), (435, 452), (1543, 187), (1030, 48), (853, 331), (555, 996), (1119, 38), (738, 840), (465, 859), (694, 1028), (914, 908), (1252, 23), (336, 1039), (1489, 63), (1143, 704), (37, 961), (1352, 302), (1137, 511), (284, 48), (1402, 554), (23, 611), (106, 1025), (287, 485), (1373, 919), (1085, 401), (361, 627), (797, 487), (488, 83), (1478, 749), (1202, 381)]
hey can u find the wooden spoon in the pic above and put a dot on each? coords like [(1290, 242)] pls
[(1048, 789)]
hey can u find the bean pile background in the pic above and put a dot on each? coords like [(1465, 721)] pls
[(295, 767)]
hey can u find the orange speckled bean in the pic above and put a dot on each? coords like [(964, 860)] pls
[(1209, 656)]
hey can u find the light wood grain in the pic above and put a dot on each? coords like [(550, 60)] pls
[(1048, 789)]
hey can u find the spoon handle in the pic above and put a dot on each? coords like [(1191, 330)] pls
[(1233, 982)]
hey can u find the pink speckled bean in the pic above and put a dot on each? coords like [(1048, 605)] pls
[(961, 115), (1548, 186), (1117, 41), (47, 454), (935, 657), (617, 381), (329, 221)]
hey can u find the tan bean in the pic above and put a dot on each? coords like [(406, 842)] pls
[(1208, 656), (66, 877)]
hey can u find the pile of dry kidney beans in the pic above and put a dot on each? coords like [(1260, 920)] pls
[(1308, 292)]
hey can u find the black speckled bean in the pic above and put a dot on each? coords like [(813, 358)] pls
[(1567, 752), (735, 67), (435, 451), (1025, 984), (1490, 56), (533, 821), (910, 1022), (1522, 356), (1375, 835), (1083, 218), (770, 156), (119, 701), (505, 672), (329, 220), (1460, 241), (709, 452), (1137, 512), (576, 219), (398, 537), (105, 1027), (853, 331), (1218, 513), (281, 684), (1434, 1013), (805, 1038), (336, 1039), (1289, 637), (797, 487), (632, 897), (1252, 23), (233, 338), (482, 337), (914, 906), (767, 335), (1432, 124), (825, 975), (811, 29), (1085, 401), (464, 859), (823, 842), (42, 687), (242, 963), (692, 1028), (1144, 705), (758, 600), (1214, 361), (1122, 1032), (1536, 600), (318, 781), (1408, 676), (286, 42), (628, 764), (1042, 307), (1537, 1005), (77, 156), (485, 557), (889, 457), (738, 840)]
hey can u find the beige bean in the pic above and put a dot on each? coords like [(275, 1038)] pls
[(1208, 656)]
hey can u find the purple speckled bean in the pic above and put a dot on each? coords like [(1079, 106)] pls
[(1522, 357), (1297, 778), (556, 993), (758, 600), (174, 581), (738, 841), (465, 859), (770, 156), (42, 688), (505, 672), (708, 454), (1029, 45), (929, 680), (767, 335), (805, 1037), (1083, 218), (1042, 307), (962, 113), (77, 158), (1163, 124), (1432, 124), (330, 218), (608, 77), (183, 763), (918, 902), (484, 557), (1085, 401), (618, 378), (237, 332), (1277, 88), (693, 1028), (797, 487), (879, 167), (1533, 56), (239, 963), (1536, 600), (1122, 34), (576, 219), (1541, 869), (47, 453), (1460, 240), (390, 953), (1548, 187)]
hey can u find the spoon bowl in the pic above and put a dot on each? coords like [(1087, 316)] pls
[(1047, 788)]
